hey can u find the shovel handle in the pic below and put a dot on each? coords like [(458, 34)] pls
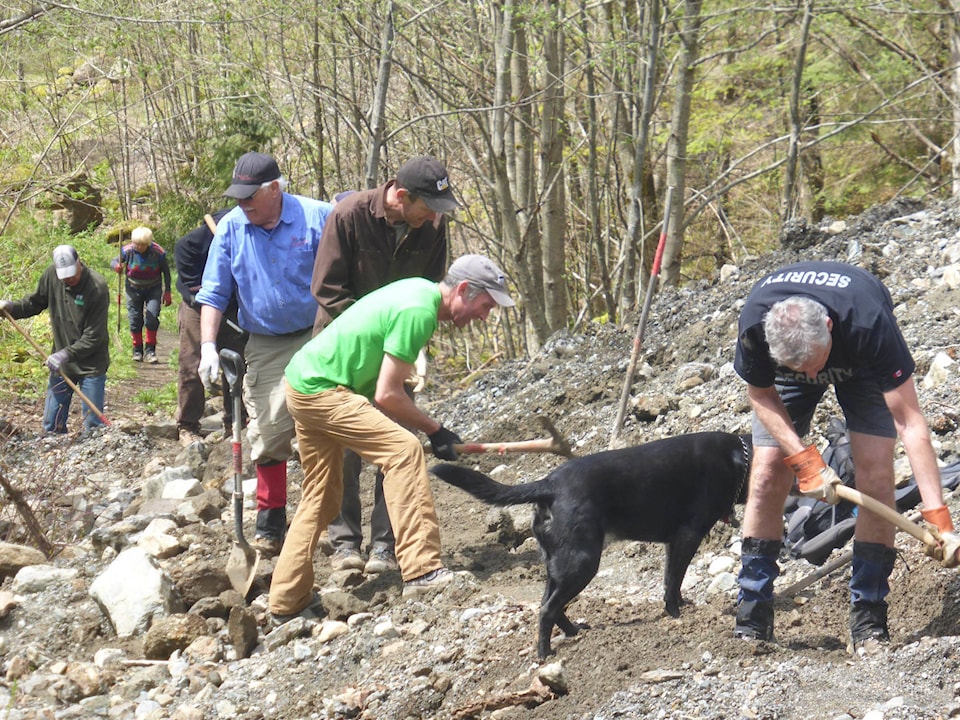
[(233, 368), (888, 514), (70, 383)]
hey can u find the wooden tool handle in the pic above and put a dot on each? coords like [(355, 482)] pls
[(888, 514)]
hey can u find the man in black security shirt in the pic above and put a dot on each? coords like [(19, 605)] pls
[(805, 327)]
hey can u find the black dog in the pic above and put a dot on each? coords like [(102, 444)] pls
[(670, 491)]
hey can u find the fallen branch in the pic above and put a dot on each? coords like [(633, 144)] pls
[(535, 695), (29, 519)]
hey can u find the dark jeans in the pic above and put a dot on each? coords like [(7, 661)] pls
[(56, 407), (143, 308)]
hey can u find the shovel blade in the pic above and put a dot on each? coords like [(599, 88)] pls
[(242, 567)]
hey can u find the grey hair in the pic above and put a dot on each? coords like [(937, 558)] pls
[(796, 330), (451, 281), (280, 181)]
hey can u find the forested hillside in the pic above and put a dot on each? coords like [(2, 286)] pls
[(563, 123)]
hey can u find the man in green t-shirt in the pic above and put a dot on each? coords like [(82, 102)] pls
[(345, 390)]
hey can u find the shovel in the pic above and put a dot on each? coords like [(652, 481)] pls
[(243, 560)]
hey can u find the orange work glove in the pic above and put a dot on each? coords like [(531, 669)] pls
[(811, 471), (950, 541)]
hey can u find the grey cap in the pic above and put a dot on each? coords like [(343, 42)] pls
[(65, 260), (252, 170), (483, 273)]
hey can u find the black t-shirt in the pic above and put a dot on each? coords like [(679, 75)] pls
[(867, 342)]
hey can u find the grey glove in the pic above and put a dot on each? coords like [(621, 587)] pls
[(57, 359), (442, 443), (6, 306)]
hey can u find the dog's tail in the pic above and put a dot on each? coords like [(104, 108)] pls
[(489, 490)]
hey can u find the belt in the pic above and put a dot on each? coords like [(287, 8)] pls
[(296, 332)]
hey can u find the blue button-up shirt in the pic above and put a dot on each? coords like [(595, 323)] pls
[(269, 270)]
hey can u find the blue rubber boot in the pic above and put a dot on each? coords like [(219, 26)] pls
[(755, 601), (872, 565)]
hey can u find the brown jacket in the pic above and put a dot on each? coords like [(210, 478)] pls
[(360, 252)]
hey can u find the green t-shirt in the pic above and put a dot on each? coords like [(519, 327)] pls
[(398, 319)]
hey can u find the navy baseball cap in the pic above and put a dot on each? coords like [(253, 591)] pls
[(252, 170), (426, 177)]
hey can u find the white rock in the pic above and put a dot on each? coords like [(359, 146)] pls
[(108, 656), (131, 606), (553, 677), (37, 578), (722, 583), (720, 564), (181, 489), (940, 369), (331, 629), (385, 629), (359, 618), (728, 272)]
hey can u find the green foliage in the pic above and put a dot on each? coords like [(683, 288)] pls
[(158, 400)]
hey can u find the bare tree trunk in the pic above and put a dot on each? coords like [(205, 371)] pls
[(811, 160), (677, 143), (377, 113), (955, 92), (500, 132), (788, 202), (553, 207)]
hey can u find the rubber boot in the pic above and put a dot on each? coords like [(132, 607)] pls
[(869, 586), (137, 339), (271, 507), (755, 600)]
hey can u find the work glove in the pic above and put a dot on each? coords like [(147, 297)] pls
[(442, 442), (6, 306), (811, 471), (950, 540), (57, 359), (167, 300), (419, 377), (209, 368)]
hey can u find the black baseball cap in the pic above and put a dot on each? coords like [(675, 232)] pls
[(252, 170), (426, 177)]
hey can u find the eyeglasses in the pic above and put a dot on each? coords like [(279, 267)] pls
[(250, 199)]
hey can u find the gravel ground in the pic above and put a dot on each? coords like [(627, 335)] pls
[(470, 651)]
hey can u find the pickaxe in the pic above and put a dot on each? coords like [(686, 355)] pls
[(553, 444), (833, 491)]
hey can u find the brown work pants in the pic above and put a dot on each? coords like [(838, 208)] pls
[(326, 424)]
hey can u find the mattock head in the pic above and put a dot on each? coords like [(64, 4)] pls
[(560, 445)]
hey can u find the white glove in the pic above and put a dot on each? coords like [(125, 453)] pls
[(209, 369), (420, 372), (6, 306)]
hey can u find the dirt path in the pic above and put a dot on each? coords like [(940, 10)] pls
[(121, 392)]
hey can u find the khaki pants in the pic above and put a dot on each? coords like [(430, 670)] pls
[(270, 429), (326, 424)]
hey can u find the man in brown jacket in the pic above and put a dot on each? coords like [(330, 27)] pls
[(373, 237)]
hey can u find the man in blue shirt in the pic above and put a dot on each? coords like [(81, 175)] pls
[(263, 254)]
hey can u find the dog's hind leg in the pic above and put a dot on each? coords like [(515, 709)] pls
[(569, 571), (679, 554)]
